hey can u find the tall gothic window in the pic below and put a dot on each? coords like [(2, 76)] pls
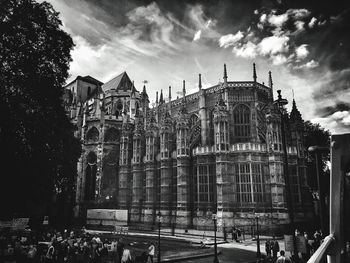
[(149, 148), (294, 182), (90, 176), (249, 182), (137, 150), (241, 122), (182, 144), (204, 184), (164, 145), (92, 135), (124, 151)]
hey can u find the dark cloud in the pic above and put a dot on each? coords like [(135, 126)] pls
[(339, 106)]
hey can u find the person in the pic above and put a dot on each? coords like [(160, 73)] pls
[(114, 250), (50, 255), (151, 251), (347, 250), (234, 234), (120, 248), (282, 258), (238, 235), (268, 248), (32, 253), (126, 257), (275, 247)]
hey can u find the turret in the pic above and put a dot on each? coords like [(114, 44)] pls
[(271, 85), (254, 73), (221, 127), (200, 82), (161, 100), (225, 76), (184, 88), (169, 93)]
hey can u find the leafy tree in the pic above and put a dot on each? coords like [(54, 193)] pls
[(315, 135), (39, 149)]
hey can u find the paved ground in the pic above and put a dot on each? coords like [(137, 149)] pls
[(185, 248)]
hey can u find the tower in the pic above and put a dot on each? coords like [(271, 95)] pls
[(137, 170), (150, 164), (221, 131), (183, 216), (166, 172)]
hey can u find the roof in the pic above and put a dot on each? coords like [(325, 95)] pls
[(120, 82), (88, 79)]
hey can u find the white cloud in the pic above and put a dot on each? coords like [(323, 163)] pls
[(197, 35), (278, 20), (299, 25), (273, 45), (309, 65), (279, 59), (248, 50), (338, 122), (302, 51), (298, 13), (312, 22), (263, 18), (230, 39)]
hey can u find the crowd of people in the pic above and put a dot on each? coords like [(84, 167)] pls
[(70, 247), (311, 241)]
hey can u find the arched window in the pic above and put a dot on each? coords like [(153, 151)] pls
[(241, 123), (92, 135), (89, 91), (119, 108), (90, 176), (137, 112), (111, 135)]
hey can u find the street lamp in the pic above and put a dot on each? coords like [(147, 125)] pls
[(318, 150), (258, 254), (216, 260), (159, 219), (280, 103)]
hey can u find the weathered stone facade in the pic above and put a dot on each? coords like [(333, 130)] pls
[(217, 150)]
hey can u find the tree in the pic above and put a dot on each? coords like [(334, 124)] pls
[(39, 149), (315, 135)]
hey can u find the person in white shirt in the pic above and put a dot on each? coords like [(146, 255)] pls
[(151, 250), (282, 258), (126, 257)]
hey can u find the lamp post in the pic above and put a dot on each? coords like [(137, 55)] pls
[(216, 260), (318, 150), (280, 103), (159, 219), (258, 254)]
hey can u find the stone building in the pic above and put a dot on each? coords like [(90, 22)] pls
[(218, 150)]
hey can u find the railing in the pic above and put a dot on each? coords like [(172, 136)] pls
[(321, 252)]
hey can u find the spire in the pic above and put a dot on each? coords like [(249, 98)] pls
[(157, 97), (225, 74), (183, 88), (254, 72), (161, 97), (144, 92), (200, 82), (169, 93), (295, 115), (270, 80)]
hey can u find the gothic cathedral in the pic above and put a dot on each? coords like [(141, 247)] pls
[(219, 150)]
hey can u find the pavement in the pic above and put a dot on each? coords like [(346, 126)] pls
[(229, 249)]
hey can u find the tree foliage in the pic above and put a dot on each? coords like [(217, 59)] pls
[(36, 136), (315, 135)]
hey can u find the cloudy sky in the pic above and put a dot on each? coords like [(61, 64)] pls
[(304, 43)]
